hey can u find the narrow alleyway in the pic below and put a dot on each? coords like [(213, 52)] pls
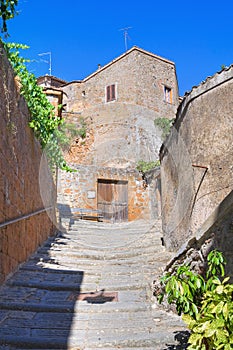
[(90, 288)]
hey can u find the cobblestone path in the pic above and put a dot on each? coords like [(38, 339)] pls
[(90, 288)]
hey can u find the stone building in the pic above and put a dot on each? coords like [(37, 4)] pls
[(117, 106), (197, 167), (52, 88)]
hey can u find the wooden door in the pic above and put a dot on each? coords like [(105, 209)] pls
[(113, 199)]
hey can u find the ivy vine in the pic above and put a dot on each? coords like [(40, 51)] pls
[(43, 120), (7, 11)]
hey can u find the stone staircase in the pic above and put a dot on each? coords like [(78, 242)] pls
[(90, 287)]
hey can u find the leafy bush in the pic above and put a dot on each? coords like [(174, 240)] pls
[(205, 303)]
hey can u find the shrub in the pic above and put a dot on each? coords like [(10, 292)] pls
[(205, 303)]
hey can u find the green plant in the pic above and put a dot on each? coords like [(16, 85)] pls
[(213, 326), (165, 125), (82, 131), (143, 166), (68, 131), (43, 120), (183, 288), (205, 303)]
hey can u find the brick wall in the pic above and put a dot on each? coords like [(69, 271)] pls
[(197, 158), (20, 171)]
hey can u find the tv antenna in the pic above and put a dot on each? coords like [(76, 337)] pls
[(50, 60), (126, 36)]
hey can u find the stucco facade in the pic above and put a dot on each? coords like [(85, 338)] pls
[(197, 158)]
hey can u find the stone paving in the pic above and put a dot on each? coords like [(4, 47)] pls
[(90, 287)]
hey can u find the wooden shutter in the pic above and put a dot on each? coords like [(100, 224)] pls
[(111, 93), (108, 93)]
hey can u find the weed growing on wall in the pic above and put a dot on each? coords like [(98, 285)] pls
[(43, 121), (67, 132), (143, 166), (165, 125), (205, 302)]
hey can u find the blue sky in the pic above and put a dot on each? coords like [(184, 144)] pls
[(196, 35)]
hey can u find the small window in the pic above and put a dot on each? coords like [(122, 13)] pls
[(167, 94), (111, 93)]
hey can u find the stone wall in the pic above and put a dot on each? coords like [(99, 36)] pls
[(215, 233), (139, 76), (197, 158), (21, 169), (123, 128), (79, 190), (120, 132)]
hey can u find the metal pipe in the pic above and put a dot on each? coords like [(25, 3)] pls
[(24, 217), (200, 166), (199, 186)]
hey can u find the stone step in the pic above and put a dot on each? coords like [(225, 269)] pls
[(130, 225), (26, 296), (51, 302), (111, 234), (104, 259), (65, 282), (83, 254), (72, 323), (47, 338), (84, 287), (159, 347), (99, 334), (72, 307), (111, 243), (90, 248), (56, 269), (80, 277)]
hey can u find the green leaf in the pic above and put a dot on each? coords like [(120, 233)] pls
[(225, 280), (217, 309), (209, 332), (195, 338), (194, 308), (225, 311), (219, 289)]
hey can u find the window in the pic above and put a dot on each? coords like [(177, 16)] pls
[(167, 94), (110, 93)]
